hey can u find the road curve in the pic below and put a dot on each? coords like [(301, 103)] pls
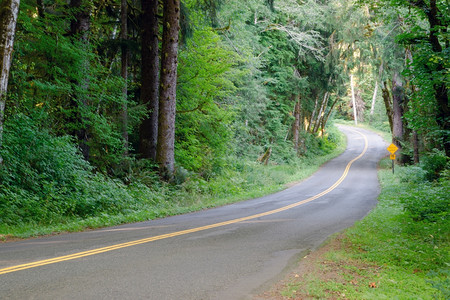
[(231, 252)]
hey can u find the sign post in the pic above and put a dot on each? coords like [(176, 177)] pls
[(392, 148)]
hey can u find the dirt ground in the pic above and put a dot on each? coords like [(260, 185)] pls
[(318, 267)]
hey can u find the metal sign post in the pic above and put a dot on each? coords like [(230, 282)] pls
[(392, 148)]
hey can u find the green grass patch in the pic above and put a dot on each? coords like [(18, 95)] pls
[(399, 251)]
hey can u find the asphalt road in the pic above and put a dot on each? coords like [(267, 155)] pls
[(231, 252)]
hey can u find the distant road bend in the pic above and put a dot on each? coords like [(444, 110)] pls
[(230, 252)]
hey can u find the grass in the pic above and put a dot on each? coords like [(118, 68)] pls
[(142, 203), (388, 255)]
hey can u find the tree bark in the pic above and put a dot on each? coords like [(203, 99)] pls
[(415, 142), (168, 84), (374, 98), (148, 131), (81, 22), (443, 116), (375, 91), (397, 113), (353, 100), (313, 115), (388, 104), (79, 29), (264, 159), (327, 116), (124, 72), (320, 115), (9, 11), (296, 126)]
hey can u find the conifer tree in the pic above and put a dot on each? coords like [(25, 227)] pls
[(148, 131), (167, 89)]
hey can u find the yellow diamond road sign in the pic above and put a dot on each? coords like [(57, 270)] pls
[(392, 148)]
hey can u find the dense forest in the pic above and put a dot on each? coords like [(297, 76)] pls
[(105, 102)]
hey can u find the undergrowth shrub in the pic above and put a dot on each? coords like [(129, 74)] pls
[(428, 202), (44, 178), (422, 199), (434, 163)]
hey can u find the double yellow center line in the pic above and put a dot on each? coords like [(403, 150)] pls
[(183, 232)]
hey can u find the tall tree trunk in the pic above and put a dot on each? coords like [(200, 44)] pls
[(313, 115), (387, 104), (374, 98), (148, 131), (327, 116), (124, 72), (79, 28), (321, 113), (296, 126), (415, 142), (397, 113), (353, 100), (440, 88), (81, 23), (375, 91), (9, 11), (167, 92), (443, 116)]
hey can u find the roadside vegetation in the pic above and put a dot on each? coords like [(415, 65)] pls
[(55, 191), (399, 251)]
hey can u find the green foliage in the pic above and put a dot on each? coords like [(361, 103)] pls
[(38, 173), (44, 179), (71, 83), (204, 113), (426, 201), (434, 163), (440, 280), (425, 66)]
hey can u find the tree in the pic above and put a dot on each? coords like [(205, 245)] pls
[(79, 30), (124, 71), (398, 104), (148, 131), (205, 102), (296, 125), (168, 84), (424, 37), (437, 65), (9, 10), (270, 4)]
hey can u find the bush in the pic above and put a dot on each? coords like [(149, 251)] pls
[(33, 156), (38, 173), (412, 174), (44, 178), (434, 163), (427, 202), (422, 199)]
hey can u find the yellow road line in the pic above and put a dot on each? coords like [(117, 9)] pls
[(183, 232)]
